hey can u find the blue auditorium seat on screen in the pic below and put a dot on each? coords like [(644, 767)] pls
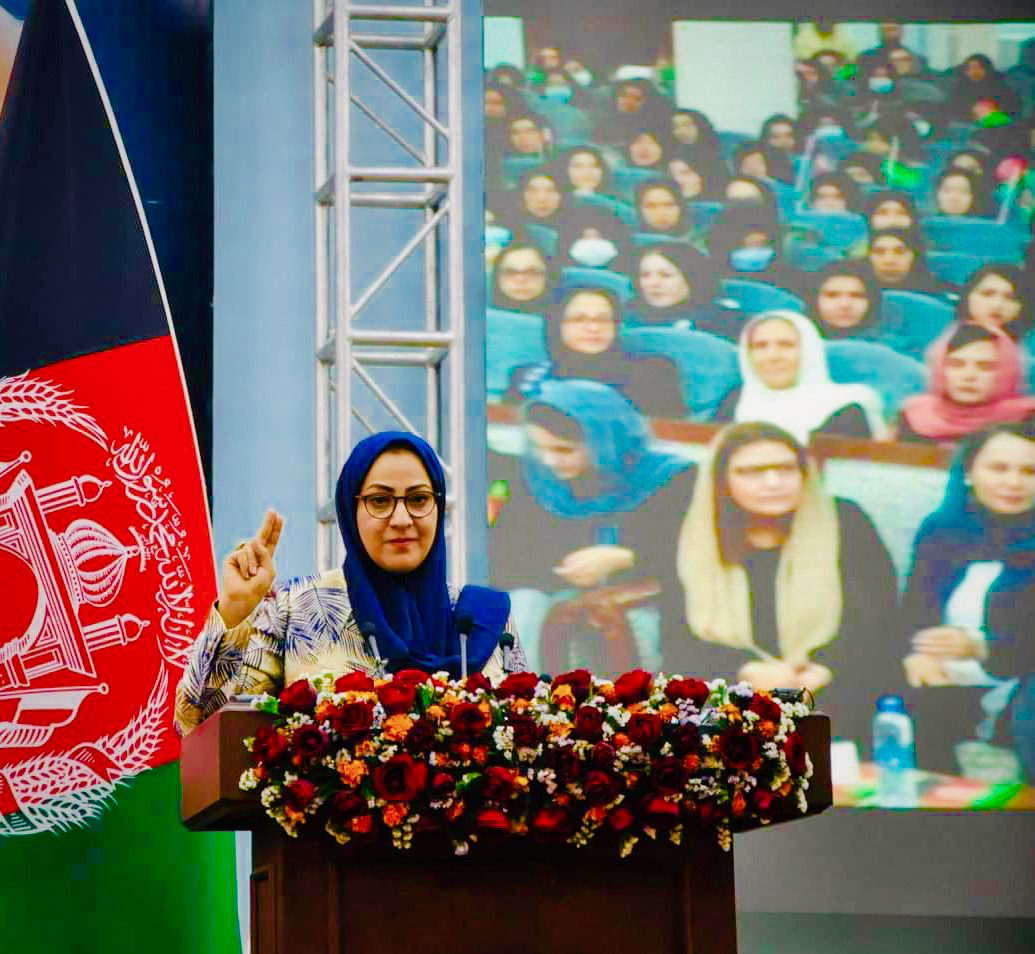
[(628, 178), (707, 364), (910, 321), (514, 167), (622, 211), (705, 213), (577, 276), (953, 267), (568, 122), (809, 257), (893, 376), (729, 140), (985, 238), (646, 239), (838, 230), (545, 237), (512, 339), (752, 297)]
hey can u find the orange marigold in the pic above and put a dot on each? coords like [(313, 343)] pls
[(607, 690), (597, 814), (480, 754), (395, 814), (732, 712), (351, 773), (667, 711), (455, 810), (692, 762), (361, 823), (559, 730), (395, 727), (563, 697), (738, 804), (767, 729), (366, 748), (436, 713), (621, 740)]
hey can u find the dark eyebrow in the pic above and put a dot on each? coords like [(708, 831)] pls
[(420, 487), (423, 486)]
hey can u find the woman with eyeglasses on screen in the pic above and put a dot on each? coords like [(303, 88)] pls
[(389, 601)]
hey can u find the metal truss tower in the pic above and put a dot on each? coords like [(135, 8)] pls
[(388, 165)]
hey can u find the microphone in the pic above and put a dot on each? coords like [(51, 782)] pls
[(369, 631), (506, 645), (464, 625)]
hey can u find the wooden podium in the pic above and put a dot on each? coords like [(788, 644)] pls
[(310, 895)]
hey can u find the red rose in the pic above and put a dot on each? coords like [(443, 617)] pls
[(795, 753), (396, 697), (600, 788), (410, 677), (299, 794), (621, 818), (564, 762), (633, 686), (352, 718), (767, 709), (348, 804), (643, 728), (738, 749), (499, 783), (580, 681), (763, 800), (400, 779), (551, 823), (309, 742), (709, 812), (442, 785), (298, 697), (421, 737), (668, 775), (527, 731), (684, 738), (603, 755), (491, 823), (477, 681), (589, 723), (354, 682), (269, 746), (660, 813), (520, 685), (696, 690), (468, 720)]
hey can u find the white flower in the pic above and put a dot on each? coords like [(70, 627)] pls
[(248, 781)]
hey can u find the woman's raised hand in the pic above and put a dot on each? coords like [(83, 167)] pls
[(248, 571)]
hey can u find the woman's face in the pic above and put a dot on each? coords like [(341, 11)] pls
[(993, 302), (659, 209), (645, 150), (892, 259), (549, 58), (754, 164), (968, 162), (541, 196), (740, 190), (764, 479), (876, 144), (399, 543), (690, 182), (891, 214), (495, 104), (955, 196), (842, 301), (662, 284), (588, 324), (901, 61), (684, 129), (775, 353), (585, 172), (629, 99), (781, 137), (860, 175), (1002, 475), (970, 373), (522, 274), (829, 198), (974, 70), (566, 459), (526, 138)]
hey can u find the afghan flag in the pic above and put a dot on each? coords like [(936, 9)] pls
[(105, 550)]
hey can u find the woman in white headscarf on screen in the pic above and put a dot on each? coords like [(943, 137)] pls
[(786, 382)]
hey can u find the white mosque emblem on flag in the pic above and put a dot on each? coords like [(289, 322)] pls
[(48, 664)]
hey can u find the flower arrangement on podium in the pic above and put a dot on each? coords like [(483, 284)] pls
[(574, 759)]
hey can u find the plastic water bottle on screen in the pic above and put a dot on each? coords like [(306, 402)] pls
[(894, 752)]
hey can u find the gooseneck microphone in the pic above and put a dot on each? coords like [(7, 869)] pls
[(506, 645), (464, 625), (369, 631)]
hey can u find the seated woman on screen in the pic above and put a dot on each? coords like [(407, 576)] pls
[(976, 380), (844, 302), (970, 600), (676, 287), (390, 500), (999, 297), (898, 263), (583, 343), (786, 586), (521, 279), (786, 382), (589, 502), (662, 210)]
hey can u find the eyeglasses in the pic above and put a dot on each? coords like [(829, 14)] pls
[(600, 321), (418, 503)]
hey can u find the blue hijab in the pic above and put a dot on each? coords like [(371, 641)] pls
[(961, 531), (411, 613), (626, 470)]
